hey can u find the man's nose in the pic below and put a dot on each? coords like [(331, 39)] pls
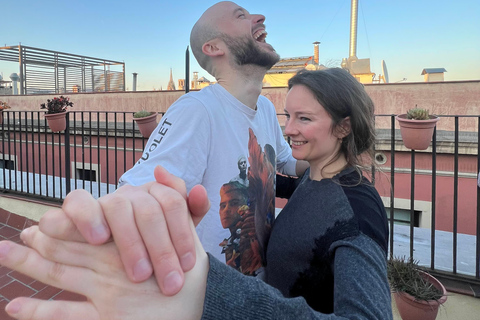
[(258, 18)]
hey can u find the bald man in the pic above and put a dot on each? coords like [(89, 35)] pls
[(203, 134), (200, 139)]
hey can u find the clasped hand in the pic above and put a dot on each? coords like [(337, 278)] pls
[(152, 230)]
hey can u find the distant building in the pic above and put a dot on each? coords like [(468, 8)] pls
[(196, 83), (5, 87), (433, 74), (181, 84), (359, 68), (284, 69)]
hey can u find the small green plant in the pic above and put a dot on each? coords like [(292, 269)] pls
[(418, 114), (57, 105), (141, 114), (404, 276)]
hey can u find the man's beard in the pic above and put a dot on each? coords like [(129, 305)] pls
[(245, 51)]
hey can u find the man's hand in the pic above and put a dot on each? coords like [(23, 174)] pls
[(139, 221)]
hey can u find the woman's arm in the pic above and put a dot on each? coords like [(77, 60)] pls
[(361, 289)]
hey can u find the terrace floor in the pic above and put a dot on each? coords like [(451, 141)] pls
[(14, 284)]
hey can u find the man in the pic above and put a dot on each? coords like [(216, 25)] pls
[(203, 133), (242, 176), (199, 140), (241, 249)]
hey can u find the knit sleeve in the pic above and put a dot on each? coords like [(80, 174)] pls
[(231, 295), (361, 288)]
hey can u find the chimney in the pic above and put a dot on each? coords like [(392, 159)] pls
[(195, 80), (315, 52), (134, 87)]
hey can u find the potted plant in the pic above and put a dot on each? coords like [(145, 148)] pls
[(3, 106), (146, 121), (56, 112), (417, 293), (416, 127)]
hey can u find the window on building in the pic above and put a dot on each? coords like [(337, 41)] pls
[(403, 217), (86, 174), (7, 164)]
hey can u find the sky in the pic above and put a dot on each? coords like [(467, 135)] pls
[(152, 36)]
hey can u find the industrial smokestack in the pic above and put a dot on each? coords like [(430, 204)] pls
[(316, 54), (134, 81), (353, 29)]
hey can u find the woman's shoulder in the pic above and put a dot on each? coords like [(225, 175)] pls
[(368, 210)]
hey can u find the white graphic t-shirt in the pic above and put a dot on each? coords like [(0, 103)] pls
[(211, 138)]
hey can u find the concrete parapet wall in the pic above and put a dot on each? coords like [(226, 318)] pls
[(441, 98)]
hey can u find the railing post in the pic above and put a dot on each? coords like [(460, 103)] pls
[(187, 70), (477, 259), (412, 201), (392, 182), (68, 186)]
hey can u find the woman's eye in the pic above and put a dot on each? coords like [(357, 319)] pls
[(304, 119)]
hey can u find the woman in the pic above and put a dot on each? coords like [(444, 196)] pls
[(329, 243), (325, 258)]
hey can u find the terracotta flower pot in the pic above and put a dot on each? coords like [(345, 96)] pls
[(411, 309), (57, 121), (416, 134), (146, 125)]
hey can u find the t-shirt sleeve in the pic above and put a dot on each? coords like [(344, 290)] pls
[(231, 295), (180, 143)]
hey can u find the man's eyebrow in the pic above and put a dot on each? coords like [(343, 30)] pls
[(238, 9)]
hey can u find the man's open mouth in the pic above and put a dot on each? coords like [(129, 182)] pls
[(260, 35)]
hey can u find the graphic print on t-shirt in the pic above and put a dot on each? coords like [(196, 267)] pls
[(247, 208)]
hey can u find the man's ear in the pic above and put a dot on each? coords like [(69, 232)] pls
[(213, 48), (343, 128)]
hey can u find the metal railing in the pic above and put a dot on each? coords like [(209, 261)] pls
[(92, 153), (97, 147)]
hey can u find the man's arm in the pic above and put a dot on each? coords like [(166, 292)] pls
[(180, 144), (300, 167)]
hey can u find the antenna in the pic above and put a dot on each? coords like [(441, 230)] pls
[(385, 72)]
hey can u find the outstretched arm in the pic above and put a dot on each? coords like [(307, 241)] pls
[(138, 222)]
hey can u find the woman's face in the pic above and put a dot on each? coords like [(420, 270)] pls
[(309, 127)]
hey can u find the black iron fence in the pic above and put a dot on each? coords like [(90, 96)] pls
[(432, 196), (92, 153)]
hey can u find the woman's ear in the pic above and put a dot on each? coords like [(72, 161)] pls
[(343, 128), (212, 48)]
